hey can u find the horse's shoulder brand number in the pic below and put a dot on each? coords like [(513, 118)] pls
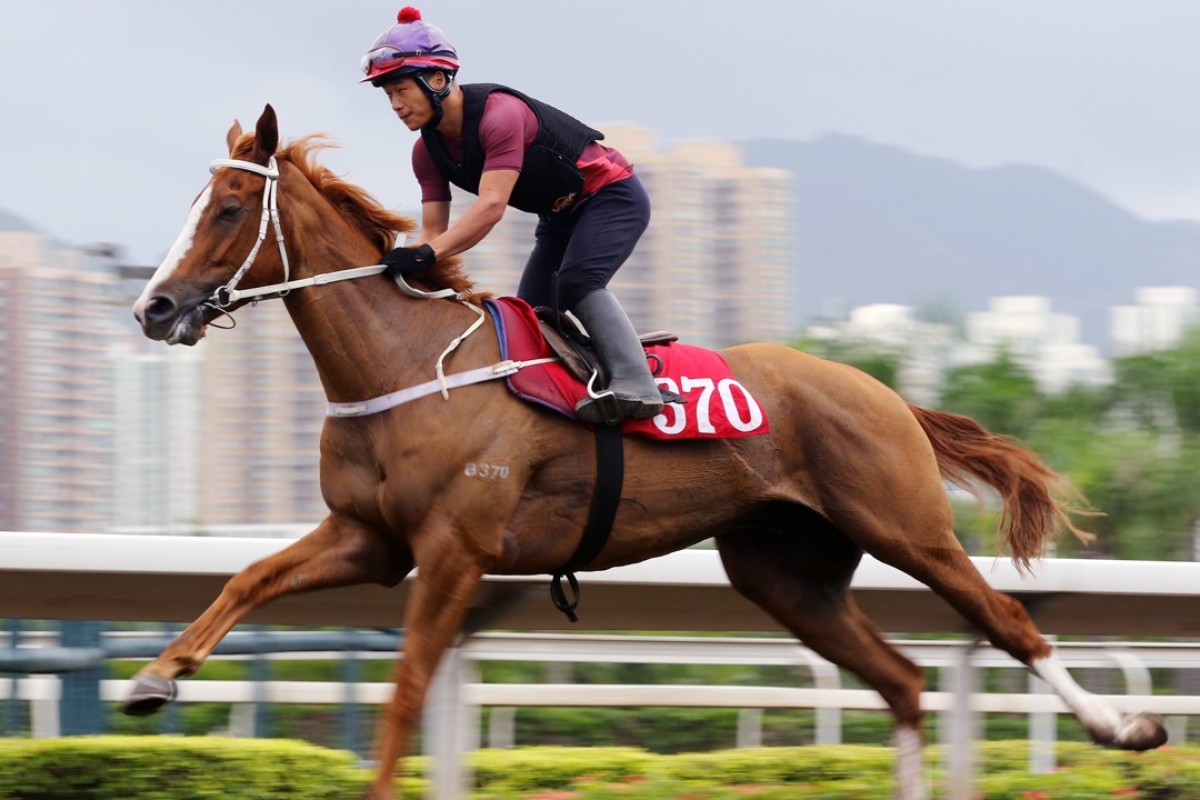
[(491, 471), (700, 392)]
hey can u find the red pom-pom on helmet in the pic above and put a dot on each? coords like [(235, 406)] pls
[(408, 14)]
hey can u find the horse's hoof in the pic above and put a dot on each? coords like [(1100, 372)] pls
[(149, 694), (1140, 732)]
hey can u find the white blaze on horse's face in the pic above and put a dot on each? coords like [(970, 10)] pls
[(183, 244)]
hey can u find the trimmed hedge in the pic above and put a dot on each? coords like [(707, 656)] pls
[(845, 772), (174, 768), (528, 769), (182, 768)]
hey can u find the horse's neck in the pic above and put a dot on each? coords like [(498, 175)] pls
[(366, 337)]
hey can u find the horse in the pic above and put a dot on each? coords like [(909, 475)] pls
[(848, 467)]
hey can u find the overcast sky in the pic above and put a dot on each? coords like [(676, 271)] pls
[(110, 111)]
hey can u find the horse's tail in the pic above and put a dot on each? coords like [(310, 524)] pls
[(1036, 500)]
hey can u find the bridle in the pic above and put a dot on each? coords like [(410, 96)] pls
[(225, 296)]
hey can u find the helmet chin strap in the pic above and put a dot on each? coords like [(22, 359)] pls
[(435, 96)]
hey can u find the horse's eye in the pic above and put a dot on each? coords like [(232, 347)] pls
[(229, 213)]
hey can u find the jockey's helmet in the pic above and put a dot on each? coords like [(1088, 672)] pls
[(410, 47)]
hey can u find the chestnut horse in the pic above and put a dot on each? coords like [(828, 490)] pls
[(847, 467)]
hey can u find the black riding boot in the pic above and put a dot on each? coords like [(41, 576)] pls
[(630, 383)]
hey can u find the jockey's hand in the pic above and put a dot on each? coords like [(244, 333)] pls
[(408, 259)]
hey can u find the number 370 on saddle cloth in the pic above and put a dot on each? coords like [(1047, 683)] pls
[(718, 407)]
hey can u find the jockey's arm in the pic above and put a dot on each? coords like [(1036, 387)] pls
[(495, 187), (435, 218)]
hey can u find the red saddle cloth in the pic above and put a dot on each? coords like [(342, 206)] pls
[(718, 407)]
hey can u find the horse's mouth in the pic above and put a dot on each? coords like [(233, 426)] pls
[(188, 328), (176, 316)]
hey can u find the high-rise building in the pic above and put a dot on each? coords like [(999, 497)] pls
[(157, 481), (262, 410), (222, 438), (57, 331), (715, 265)]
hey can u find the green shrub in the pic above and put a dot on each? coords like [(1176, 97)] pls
[(525, 769), (1092, 783), (783, 764), (174, 768), (1166, 773), (180, 768)]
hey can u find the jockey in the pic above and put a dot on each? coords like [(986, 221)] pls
[(513, 150)]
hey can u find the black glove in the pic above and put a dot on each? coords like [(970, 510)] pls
[(408, 259)]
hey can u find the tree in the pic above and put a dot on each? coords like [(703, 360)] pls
[(1132, 448), (1000, 395), (882, 364)]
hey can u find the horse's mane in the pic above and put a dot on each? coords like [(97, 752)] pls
[(359, 208)]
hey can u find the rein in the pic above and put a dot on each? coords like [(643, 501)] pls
[(229, 294)]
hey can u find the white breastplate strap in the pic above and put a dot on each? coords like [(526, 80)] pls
[(441, 384)]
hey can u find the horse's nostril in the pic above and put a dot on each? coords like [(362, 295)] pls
[(159, 308)]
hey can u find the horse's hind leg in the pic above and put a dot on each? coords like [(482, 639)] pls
[(339, 552), (896, 509), (950, 573), (801, 579)]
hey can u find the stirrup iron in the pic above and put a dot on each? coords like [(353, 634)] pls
[(604, 402)]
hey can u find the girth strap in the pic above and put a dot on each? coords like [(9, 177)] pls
[(610, 476)]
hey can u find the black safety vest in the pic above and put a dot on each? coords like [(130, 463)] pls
[(549, 181)]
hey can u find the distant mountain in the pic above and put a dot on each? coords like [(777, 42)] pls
[(879, 224)]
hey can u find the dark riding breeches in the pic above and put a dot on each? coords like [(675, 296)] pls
[(586, 245)]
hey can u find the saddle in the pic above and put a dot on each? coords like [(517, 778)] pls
[(568, 340), (709, 402)]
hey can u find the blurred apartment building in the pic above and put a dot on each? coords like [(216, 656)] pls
[(263, 410), (221, 438), (923, 348), (1045, 341), (158, 441), (715, 265), (57, 432), (1156, 321), (105, 430)]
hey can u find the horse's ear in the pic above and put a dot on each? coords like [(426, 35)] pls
[(235, 132), (266, 136)]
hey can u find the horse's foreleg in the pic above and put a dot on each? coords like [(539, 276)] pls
[(802, 580), (1007, 624), (447, 577), (339, 552)]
